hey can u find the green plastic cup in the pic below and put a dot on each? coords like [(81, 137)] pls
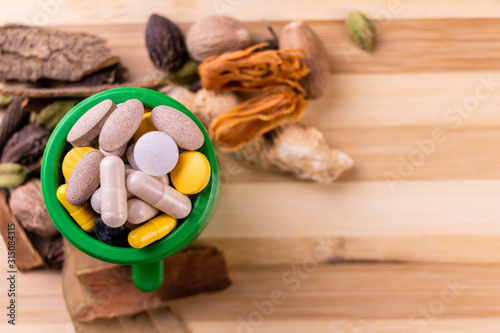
[(147, 264)]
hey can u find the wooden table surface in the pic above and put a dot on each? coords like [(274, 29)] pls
[(409, 241)]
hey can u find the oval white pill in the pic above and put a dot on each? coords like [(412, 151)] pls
[(156, 153)]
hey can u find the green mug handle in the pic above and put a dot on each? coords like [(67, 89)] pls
[(149, 276)]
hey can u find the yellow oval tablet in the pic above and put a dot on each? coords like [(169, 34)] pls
[(192, 172), (72, 158), (145, 126)]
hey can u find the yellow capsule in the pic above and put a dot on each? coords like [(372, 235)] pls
[(191, 173), (145, 126), (83, 215), (151, 231), (72, 158)]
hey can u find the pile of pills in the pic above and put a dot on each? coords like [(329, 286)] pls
[(131, 174)]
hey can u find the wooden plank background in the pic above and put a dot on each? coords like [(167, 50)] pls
[(394, 248)]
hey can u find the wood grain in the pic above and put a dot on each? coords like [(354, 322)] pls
[(391, 249), (402, 45), (116, 12)]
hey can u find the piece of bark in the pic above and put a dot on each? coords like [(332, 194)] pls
[(162, 320), (29, 53), (26, 256), (116, 73), (13, 119), (83, 91), (194, 271), (26, 147)]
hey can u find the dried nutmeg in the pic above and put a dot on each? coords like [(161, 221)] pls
[(298, 35), (26, 147), (216, 35), (26, 203), (165, 44), (361, 30)]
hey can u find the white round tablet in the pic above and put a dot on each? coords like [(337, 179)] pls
[(156, 153)]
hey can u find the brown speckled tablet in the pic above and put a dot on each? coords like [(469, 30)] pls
[(180, 127), (121, 125), (90, 124), (85, 178)]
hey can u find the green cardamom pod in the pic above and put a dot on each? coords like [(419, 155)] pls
[(187, 74), (52, 114), (361, 30), (5, 99), (12, 174)]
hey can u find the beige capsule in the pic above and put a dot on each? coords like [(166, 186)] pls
[(161, 196), (140, 211), (113, 192)]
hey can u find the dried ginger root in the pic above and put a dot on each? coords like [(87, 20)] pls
[(206, 105), (247, 70), (257, 116), (297, 149)]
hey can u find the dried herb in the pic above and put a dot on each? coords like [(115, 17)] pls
[(257, 116), (361, 30), (248, 70), (13, 120), (29, 53), (297, 149), (26, 147), (165, 44)]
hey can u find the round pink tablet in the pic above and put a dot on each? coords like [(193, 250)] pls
[(156, 153)]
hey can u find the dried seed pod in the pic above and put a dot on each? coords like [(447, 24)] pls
[(298, 35), (249, 70), (216, 35), (257, 116), (361, 30), (297, 149), (55, 252), (12, 175), (165, 44), (187, 74), (13, 120), (26, 203), (26, 147), (52, 114)]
